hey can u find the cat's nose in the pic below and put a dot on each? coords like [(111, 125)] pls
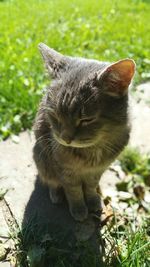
[(68, 141), (66, 138)]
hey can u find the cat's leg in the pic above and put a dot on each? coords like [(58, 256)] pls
[(77, 206), (92, 196), (46, 173), (56, 193)]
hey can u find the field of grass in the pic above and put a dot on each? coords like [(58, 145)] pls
[(106, 30)]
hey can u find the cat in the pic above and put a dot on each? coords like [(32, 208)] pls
[(81, 126)]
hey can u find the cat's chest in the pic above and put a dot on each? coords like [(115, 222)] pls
[(82, 162)]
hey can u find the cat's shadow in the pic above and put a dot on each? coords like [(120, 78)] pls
[(40, 205), (44, 222)]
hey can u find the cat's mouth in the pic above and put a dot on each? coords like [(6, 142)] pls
[(73, 143)]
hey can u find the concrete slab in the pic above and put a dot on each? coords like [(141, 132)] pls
[(5, 264), (17, 173), (4, 230), (142, 93), (140, 134)]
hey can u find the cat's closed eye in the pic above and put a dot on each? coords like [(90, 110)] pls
[(54, 119), (87, 121)]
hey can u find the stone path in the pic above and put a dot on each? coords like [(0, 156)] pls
[(25, 194), (140, 136)]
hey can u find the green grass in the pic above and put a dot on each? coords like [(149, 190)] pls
[(127, 245), (136, 164), (106, 30)]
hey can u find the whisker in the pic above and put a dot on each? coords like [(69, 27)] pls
[(42, 136), (43, 150)]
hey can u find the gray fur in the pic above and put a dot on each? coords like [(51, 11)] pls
[(80, 128)]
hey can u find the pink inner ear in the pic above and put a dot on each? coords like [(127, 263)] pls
[(117, 77), (122, 70)]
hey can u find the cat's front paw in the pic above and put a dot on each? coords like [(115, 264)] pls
[(79, 212), (94, 203)]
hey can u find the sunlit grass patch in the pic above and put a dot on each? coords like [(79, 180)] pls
[(127, 244), (136, 164), (106, 31)]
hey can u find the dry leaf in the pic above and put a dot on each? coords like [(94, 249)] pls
[(139, 191)]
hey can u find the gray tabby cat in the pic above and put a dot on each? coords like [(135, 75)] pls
[(81, 126)]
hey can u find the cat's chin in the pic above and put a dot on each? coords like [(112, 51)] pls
[(72, 144)]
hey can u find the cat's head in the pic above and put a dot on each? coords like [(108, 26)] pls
[(87, 98)]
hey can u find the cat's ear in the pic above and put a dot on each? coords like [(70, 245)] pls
[(116, 78), (55, 62)]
